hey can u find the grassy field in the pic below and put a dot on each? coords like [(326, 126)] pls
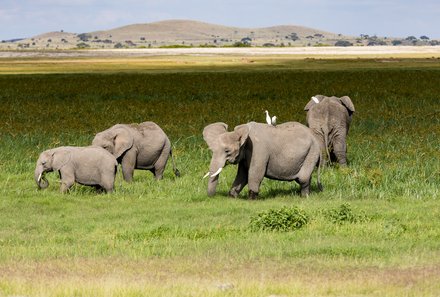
[(373, 231)]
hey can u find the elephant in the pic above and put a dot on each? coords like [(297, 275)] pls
[(285, 152), (91, 166), (330, 118), (137, 146)]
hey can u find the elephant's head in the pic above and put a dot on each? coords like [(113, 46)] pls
[(345, 101), (226, 149), (117, 140), (50, 160)]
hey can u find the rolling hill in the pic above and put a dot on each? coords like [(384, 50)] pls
[(178, 33)]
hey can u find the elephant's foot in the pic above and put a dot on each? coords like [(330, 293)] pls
[(252, 195), (233, 194)]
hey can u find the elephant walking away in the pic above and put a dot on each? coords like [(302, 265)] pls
[(330, 118), (91, 166), (285, 152), (137, 146)]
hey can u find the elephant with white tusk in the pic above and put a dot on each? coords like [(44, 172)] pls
[(330, 118), (137, 146), (91, 166), (286, 152)]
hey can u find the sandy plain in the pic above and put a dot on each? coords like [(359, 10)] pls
[(299, 52)]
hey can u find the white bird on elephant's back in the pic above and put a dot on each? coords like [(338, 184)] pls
[(270, 121)]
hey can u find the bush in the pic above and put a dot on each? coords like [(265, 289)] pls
[(343, 43), (82, 45), (241, 44), (344, 214), (284, 219)]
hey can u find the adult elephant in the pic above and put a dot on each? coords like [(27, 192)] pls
[(285, 152), (137, 146), (330, 118)]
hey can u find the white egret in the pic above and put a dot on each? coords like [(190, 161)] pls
[(270, 121)]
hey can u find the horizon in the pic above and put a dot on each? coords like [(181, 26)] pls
[(392, 18)]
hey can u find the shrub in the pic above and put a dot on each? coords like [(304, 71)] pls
[(343, 43), (344, 214), (82, 45), (284, 219)]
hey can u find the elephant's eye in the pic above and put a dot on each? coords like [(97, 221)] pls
[(228, 152)]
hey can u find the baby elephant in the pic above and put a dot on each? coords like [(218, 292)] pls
[(91, 166)]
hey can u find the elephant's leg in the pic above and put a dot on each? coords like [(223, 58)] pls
[(305, 186), (159, 166), (107, 183), (128, 164), (340, 149), (67, 180), (256, 175), (304, 175), (240, 181)]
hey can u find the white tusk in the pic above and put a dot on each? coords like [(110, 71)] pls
[(39, 177), (315, 99), (217, 172), (206, 175)]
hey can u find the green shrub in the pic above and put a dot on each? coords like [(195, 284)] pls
[(344, 214), (284, 219)]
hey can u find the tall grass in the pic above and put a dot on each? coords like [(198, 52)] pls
[(392, 181)]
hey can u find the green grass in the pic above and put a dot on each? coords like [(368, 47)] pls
[(168, 238)]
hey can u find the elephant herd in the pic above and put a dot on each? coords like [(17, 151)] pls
[(288, 151)]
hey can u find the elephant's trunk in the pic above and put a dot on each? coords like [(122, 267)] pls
[(215, 168), (39, 177)]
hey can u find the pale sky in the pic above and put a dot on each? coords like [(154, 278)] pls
[(391, 18)]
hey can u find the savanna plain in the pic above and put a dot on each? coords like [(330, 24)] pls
[(373, 231)]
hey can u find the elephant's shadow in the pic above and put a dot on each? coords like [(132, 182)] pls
[(271, 193)]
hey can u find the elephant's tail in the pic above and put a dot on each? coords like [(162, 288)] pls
[(325, 134), (320, 161), (175, 170)]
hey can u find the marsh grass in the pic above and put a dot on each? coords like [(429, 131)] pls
[(148, 234)]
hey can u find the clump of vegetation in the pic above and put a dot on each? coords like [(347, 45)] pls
[(284, 219), (345, 214), (343, 43)]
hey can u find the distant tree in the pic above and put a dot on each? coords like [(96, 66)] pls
[(84, 36), (118, 45), (241, 44), (424, 37), (343, 43), (318, 35), (49, 40), (246, 40), (82, 45), (268, 45), (396, 42), (434, 42), (142, 38), (292, 36), (411, 38), (309, 37)]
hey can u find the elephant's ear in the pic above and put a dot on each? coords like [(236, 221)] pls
[(123, 141), (60, 157), (243, 133), (212, 132), (313, 102), (346, 101)]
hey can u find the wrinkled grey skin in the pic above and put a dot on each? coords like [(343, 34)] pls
[(330, 121), (91, 166), (285, 152), (137, 146)]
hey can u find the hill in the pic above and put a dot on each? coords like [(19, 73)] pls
[(177, 33), (186, 33)]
